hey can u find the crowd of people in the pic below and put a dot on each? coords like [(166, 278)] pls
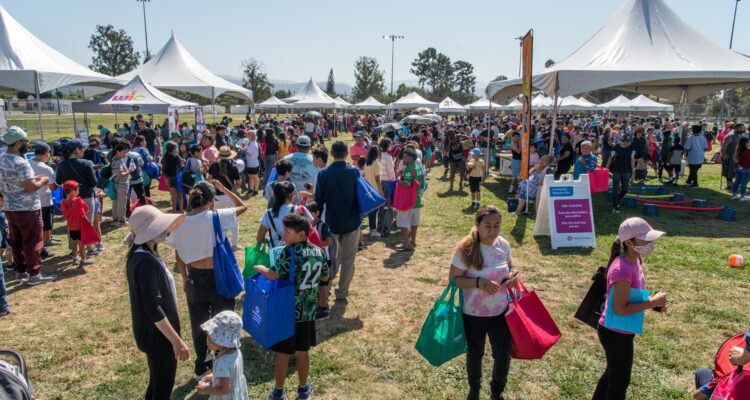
[(311, 212)]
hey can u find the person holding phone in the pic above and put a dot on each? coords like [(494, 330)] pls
[(482, 267)]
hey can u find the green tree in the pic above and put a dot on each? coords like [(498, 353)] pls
[(500, 78), (254, 77), (281, 94), (331, 85), (433, 69), (113, 51), (550, 62), (464, 81), (369, 79), (402, 91)]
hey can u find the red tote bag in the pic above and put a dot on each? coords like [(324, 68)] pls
[(599, 180), (532, 329), (163, 185), (405, 197)]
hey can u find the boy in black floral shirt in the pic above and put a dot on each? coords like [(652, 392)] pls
[(310, 267)]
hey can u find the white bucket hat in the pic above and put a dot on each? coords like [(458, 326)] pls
[(147, 223), (224, 329)]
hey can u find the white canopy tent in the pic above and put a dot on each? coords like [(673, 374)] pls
[(313, 96), (541, 102), (370, 103), (28, 64), (272, 103), (136, 96), (643, 103), (514, 105), (645, 47), (571, 103), (174, 68), (587, 104), (341, 103), (413, 100), (450, 106), (619, 103), (483, 105)]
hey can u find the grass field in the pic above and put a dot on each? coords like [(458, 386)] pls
[(76, 333)]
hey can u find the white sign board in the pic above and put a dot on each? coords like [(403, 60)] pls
[(83, 134), (569, 211)]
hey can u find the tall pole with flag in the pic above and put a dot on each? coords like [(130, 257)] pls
[(527, 59)]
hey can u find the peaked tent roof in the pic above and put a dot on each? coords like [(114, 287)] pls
[(619, 103), (586, 103), (514, 105), (24, 59), (272, 102), (645, 47), (413, 100), (137, 95), (448, 105), (643, 103), (305, 89), (370, 103), (341, 102), (174, 68), (483, 104), (312, 96)]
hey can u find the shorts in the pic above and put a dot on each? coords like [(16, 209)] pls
[(47, 216), (474, 183), (641, 174), (304, 338), (407, 219), (253, 170), (172, 182), (515, 168), (74, 235), (674, 168)]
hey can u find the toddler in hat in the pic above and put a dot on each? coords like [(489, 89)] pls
[(226, 381)]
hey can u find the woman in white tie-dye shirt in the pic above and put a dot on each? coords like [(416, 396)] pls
[(482, 268)]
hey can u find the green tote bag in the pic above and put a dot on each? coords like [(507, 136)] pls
[(257, 255), (442, 337)]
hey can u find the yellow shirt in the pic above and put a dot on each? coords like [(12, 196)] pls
[(475, 168), (371, 173), (283, 149)]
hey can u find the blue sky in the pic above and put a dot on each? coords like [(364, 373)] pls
[(300, 39)]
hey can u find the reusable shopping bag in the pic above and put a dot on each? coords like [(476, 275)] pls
[(533, 331), (226, 271), (590, 310), (632, 323), (368, 198), (257, 255), (405, 197), (442, 337)]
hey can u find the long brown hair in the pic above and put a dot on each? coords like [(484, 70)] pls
[(469, 246)]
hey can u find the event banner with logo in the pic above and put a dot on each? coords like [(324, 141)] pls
[(527, 55), (200, 123), (571, 217)]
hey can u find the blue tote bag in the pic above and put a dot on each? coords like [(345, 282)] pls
[(368, 199), (632, 323), (226, 270), (269, 311)]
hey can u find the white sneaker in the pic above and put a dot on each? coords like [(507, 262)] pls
[(40, 279), (375, 234), (744, 199), (734, 197)]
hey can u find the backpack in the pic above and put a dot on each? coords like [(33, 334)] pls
[(14, 382), (385, 221), (105, 174)]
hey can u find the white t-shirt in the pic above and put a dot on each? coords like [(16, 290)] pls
[(194, 239), (275, 225), (230, 366), (497, 258), (387, 172), (252, 152), (42, 169), (309, 127)]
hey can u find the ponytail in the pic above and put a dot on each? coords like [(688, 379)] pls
[(202, 194), (281, 192), (470, 245)]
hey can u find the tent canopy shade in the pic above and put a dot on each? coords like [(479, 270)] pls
[(136, 96), (341, 103), (312, 96), (370, 103), (450, 106), (272, 102), (645, 47), (174, 68), (483, 105), (643, 103), (619, 103), (28, 64), (413, 100)]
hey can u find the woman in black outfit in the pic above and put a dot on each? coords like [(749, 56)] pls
[(153, 299), (170, 165)]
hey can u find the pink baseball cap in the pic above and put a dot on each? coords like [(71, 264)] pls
[(638, 228)]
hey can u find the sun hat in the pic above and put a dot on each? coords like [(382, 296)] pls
[(74, 144), (14, 134), (224, 329), (476, 152), (637, 228), (304, 141), (147, 223), (225, 153), (70, 185)]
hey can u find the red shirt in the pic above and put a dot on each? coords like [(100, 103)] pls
[(74, 211), (745, 159)]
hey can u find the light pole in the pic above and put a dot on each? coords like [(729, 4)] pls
[(145, 30), (731, 37), (392, 38), (724, 105)]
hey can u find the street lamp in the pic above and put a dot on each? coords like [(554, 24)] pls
[(145, 30), (392, 38)]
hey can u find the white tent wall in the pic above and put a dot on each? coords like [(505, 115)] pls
[(412, 100)]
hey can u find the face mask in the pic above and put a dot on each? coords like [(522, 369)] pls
[(645, 250)]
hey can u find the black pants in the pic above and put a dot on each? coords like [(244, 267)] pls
[(476, 330), (618, 350), (147, 189), (162, 367), (203, 304), (561, 169), (620, 185), (372, 220), (140, 193), (692, 179)]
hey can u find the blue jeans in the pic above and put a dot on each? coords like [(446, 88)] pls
[(741, 178), (4, 306)]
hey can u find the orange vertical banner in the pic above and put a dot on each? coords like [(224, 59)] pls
[(527, 56)]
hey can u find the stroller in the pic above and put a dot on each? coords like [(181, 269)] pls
[(14, 381), (725, 381)]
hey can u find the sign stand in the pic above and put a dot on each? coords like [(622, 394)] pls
[(569, 220)]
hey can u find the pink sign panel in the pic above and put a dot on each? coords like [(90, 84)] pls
[(573, 216)]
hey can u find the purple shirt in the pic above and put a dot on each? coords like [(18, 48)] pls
[(623, 270)]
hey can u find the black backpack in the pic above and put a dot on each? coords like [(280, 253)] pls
[(14, 380), (592, 306)]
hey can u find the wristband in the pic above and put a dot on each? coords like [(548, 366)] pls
[(477, 283)]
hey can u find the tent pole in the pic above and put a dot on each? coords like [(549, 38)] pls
[(38, 105), (554, 125), (213, 104), (75, 126), (489, 134)]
